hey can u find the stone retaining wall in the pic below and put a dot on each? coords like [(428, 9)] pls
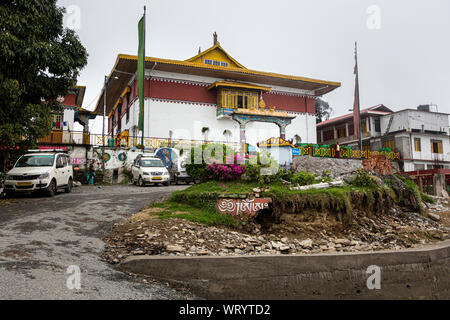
[(408, 274)]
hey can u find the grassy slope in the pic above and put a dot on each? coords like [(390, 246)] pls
[(198, 202)]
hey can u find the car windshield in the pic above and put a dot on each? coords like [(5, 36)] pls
[(35, 161), (152, 163)]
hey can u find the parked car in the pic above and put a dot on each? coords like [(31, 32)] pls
[(40, 171), (175, 163), (149, 170)]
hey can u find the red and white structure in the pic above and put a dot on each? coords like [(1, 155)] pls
[(211, 97)]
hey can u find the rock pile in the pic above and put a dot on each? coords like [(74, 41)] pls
[(379, 164), (325, 166), (152, 236)]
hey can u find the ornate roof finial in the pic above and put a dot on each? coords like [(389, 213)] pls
[(199, 49), (215, 38)]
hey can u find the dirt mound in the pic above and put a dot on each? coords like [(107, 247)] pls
[(310, 232)]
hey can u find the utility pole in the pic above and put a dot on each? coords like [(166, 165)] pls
[(357, 96), (103, 130), (143, 95)]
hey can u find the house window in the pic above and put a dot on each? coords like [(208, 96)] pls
[(341, 132), (57, 122), (417, 146), (363, 126), (389, 144), (436, 146), (377, 125)]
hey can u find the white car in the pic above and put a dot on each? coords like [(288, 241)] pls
[(149, 170), (175, 163), (37, 170)]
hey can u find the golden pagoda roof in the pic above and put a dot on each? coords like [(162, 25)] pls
[(126, 65)]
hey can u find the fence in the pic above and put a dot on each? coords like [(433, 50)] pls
[(327, 151), (83, 138)]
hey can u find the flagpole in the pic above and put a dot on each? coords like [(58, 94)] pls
[(357, 96), (143, 103)]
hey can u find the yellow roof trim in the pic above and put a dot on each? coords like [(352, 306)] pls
[(127, 89), (238, 85), (216, 46), (119, 101), (246, 71)]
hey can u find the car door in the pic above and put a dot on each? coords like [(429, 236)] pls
[(59, 170), (66, 170), (134, 170), (69, 169)]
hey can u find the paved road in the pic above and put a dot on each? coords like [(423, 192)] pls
[(41, 237)]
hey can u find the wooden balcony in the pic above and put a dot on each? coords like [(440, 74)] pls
[(66, 137)]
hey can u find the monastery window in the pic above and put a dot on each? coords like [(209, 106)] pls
[(228, 98), (216, 63)]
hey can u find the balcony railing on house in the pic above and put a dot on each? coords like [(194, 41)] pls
[(66, 137), (83, 138)]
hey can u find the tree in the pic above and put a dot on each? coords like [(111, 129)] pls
[(323, 110), (39, 61)]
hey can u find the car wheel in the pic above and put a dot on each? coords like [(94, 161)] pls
[(9, 194), (51, 189), (141, 182), (69, 187)]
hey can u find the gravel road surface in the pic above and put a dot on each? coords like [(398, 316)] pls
[(41, 237)]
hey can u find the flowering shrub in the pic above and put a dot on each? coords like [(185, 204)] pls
[(230, 170)]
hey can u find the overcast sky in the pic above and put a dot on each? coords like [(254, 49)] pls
[(404, 47)]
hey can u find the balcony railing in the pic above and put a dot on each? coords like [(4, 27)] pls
[(82, 138), (66, 137)]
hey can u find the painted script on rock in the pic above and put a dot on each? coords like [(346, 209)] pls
[(238, 206)]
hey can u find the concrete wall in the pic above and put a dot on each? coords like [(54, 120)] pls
[(408, 274), (409, 119)]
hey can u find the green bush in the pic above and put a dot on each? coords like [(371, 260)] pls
[(363, 179), (198, 170), (286, 174), (426, 198), (303, 178)]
